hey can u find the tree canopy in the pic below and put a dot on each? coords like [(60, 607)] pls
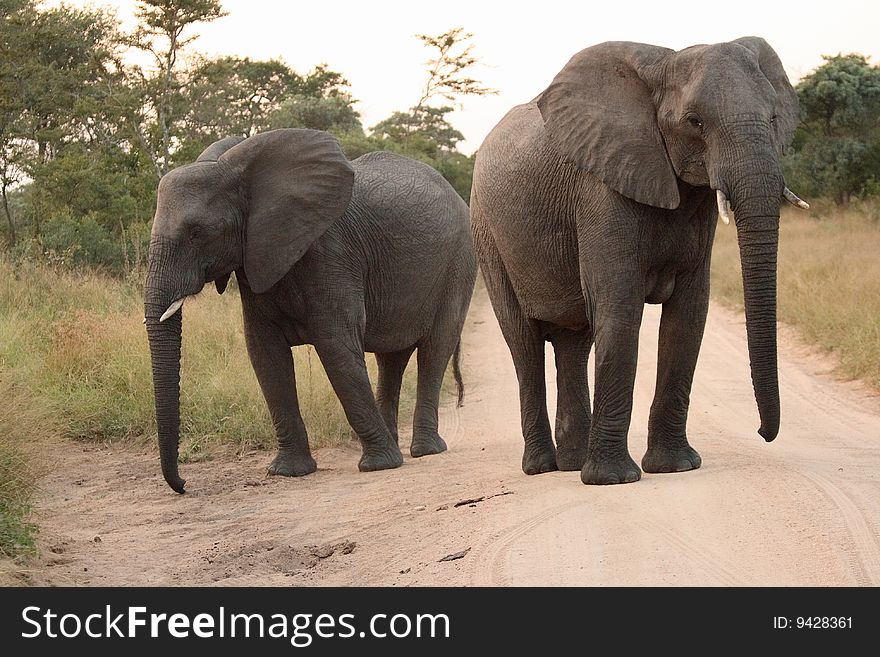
[(836, 151), (85, 135)]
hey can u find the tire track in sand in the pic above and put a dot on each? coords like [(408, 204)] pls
[(864, 558), (491, 569), (705, 559)]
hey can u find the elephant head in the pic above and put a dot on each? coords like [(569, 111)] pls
[(649, 121), (256, 204)]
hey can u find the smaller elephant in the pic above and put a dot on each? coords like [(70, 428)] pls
[(371, 255)]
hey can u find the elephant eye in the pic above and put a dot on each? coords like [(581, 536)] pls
[(695, 121), (773, 119)]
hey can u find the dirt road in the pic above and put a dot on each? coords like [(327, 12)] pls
[(804, 510)]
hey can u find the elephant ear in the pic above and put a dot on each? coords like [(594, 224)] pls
[(786, 97), (599, 114), (213, 152), (295, 184)]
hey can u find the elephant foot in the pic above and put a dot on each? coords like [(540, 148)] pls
[(384, 456), (539, 458), (663, 459), (621, 470), (288, 465), (568, 458), (425, 444)]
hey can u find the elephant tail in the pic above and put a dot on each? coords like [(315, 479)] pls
[(456, 372)]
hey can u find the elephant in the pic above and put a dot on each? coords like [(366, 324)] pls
[(371, 255), (602, 194)]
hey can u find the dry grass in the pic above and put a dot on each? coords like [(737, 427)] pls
[(74, 364), (77, 341), (19, 459), (829, 281)]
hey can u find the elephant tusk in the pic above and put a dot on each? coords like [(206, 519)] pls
[(173, 308), (792, 198), (724, 210)]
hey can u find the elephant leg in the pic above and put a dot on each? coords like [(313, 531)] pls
[(527, 350), (681, 332), (273, 364), (434, 352), (432, 360), (617, 346), (572, 432), (391, 368), (526, 344), (343, 360)]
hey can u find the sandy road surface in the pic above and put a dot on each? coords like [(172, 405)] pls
[(804, 510)]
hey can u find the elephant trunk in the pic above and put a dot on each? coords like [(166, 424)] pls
[(165, 339), (755, 195), (165, 354)]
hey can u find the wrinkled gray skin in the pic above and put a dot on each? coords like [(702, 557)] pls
[(373, 255), (597, 197)]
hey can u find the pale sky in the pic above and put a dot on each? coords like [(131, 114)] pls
[(521, 44)]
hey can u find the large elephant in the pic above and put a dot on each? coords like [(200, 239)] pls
[(599, 196), (373, 255)]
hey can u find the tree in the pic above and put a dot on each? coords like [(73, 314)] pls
[(83, 137), (426, 135), (836, 151), (841, 95), (55, 68), (100, 181), (321, 82), (426, 124), (424, 132), (334, 114), (66, 53), (232, 96), (446, 76), (162, 25), (11, 108)]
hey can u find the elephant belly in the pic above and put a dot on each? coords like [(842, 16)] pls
[(404, 308), (545, 296), (386, 336)]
